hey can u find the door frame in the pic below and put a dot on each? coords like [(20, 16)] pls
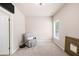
[(9, 36)]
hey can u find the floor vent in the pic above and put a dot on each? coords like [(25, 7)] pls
[(72, 46)]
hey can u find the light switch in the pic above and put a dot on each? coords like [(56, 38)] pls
[(73, 48)]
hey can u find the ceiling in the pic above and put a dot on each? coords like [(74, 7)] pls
[(34, 9)]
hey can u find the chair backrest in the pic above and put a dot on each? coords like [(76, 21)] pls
[(29, 34)]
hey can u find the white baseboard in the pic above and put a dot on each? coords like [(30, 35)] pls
[(59, 45), (14, 51)]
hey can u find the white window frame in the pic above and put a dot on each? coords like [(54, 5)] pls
[(55, 35)]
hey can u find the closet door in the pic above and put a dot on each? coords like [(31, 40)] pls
[(4, 34)]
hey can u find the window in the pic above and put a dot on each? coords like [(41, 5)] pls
[(56, 28)]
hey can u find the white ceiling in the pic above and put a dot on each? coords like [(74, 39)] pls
[(33, 9)]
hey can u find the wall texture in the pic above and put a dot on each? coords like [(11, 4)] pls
[(40, 26), (17, 29), (69, 17)]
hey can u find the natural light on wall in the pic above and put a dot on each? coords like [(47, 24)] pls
[(56, 29)]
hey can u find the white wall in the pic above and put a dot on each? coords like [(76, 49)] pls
[(69, 16), (17, 29), (40, 26)]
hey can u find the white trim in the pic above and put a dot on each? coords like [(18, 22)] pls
[(59, 45), (2, 9), (14, 51)]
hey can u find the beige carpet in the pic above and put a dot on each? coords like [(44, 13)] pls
[(43, 48)]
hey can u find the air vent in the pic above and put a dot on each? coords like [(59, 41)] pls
[(72, 46)]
